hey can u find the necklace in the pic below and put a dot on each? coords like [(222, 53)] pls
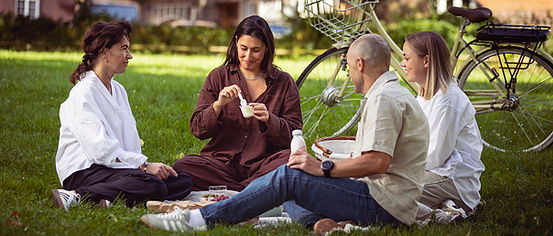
[(256, 78)]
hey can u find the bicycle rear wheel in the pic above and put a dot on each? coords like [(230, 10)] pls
[(325, 110), (518, 120)]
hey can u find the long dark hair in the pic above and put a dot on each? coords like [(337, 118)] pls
[(101, 35), (254, 26)]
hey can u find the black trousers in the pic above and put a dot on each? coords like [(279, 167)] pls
[(134, 186)]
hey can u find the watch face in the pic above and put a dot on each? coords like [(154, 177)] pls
[(327, 165)]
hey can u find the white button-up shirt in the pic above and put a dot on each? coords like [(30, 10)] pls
[(455, 143), (97, 128)]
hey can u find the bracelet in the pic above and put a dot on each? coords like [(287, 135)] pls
[(143, 166)]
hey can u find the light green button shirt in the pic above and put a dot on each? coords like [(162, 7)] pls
[(392, 122)]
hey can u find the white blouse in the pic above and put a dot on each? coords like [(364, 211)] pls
[(455, 143), (97, 128)]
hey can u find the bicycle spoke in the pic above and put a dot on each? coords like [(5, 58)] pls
[(520, 126), (528, 127), (531, 116), (318, 118), (349, 94), (305, 101), (542, 119), (534, 88), (310, 112), (536, 102), (352, 104), (533, 129), (310, 131)]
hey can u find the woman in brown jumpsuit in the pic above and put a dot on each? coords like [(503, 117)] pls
[(243, 149)]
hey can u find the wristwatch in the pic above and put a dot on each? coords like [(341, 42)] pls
[(327, 166)]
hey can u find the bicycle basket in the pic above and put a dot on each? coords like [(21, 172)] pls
[(513, 33), (340, 20)]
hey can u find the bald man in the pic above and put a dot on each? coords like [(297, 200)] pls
[(380, 185)]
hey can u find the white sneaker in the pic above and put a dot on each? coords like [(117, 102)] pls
[(177, 220), (65, 199), (104, 204)]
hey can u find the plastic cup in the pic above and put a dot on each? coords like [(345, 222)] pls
[(217, 188), (247, 111)]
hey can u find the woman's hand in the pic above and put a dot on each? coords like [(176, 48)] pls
[(260, 112), (226, 95), (303, 161), (160, 170)]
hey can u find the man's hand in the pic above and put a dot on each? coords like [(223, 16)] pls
[(369, 163), (303, 161), (160, 170)]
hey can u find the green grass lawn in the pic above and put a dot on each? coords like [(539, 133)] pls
[(163, 89)]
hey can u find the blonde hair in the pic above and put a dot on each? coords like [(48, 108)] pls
[(438, 75)]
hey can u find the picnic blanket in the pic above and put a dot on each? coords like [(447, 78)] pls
[(447, 213), (197, 199), (194, 200)]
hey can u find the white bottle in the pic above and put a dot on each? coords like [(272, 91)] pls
[(297, 140)]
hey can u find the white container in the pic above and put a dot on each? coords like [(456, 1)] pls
[(247, 111), (339, 149), (297, 141)]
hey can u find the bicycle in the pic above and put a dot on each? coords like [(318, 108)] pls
[(507, 76)]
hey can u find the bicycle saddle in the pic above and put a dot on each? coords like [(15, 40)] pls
[(473, 15)]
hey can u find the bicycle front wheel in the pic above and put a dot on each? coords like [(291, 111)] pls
[(328, 102), (518, 117)]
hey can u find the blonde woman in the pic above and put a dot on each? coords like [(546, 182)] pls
[(453, 165)]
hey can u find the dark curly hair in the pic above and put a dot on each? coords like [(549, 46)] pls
[(101, 35)]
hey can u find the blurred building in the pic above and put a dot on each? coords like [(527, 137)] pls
[(521, 12), (61, 10), (213, 13), (443, 5), (210, 13), (154, 12)]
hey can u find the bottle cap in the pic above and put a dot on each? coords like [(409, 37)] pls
[(296, 132)]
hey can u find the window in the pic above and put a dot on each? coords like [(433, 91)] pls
[(163, 12), (250, 8), (30, 8)]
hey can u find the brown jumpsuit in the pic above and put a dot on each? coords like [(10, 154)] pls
[(241, 149)]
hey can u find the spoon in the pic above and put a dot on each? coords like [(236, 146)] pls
[(247, 110), (243, 102)]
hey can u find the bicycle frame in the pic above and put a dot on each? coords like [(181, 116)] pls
[(499, 57), (396, 53), (499, 97), (491, 74)]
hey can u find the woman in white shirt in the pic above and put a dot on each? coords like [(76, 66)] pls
[(99, 155), (453, 165)]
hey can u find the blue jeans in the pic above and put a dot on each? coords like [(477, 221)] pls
[(300, 215), (337, 198)]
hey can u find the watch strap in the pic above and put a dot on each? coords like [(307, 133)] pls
[(327, 173)]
